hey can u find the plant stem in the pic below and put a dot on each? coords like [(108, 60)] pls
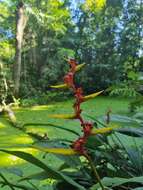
[(94, 171)]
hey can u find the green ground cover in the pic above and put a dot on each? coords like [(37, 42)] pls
[(12, 138)]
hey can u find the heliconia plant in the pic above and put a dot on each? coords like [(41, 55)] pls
[(78, 146), (86, 126)]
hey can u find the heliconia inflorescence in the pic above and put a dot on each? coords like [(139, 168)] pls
[(87, 127)]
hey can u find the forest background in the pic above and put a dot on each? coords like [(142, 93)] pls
[(36, 38)]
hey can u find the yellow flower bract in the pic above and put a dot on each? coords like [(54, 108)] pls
[(63, 151), (59, 86), (102, 130), (78, 67), (92, 95), (62, 116)]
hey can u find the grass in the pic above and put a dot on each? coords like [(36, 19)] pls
[(43, 114)]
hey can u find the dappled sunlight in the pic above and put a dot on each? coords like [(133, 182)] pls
[(37, 129), (33, 108), (43, 107), (13, 139), (94, 5), (22, 140), (11, 160), (7, 160), (2, 125), (50, 131)]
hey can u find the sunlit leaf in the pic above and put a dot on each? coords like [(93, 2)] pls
[(94, 5), (50, 171)]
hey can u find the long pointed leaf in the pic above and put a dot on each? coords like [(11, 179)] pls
[(51, 125), (116, 181), (51, 172)]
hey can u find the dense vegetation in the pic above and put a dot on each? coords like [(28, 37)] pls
[(71, 51), (107, 36)]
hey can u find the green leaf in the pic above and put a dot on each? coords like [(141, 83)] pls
[(95, 141), (36, 176), (51, 125), (33, 160), (134, 132), (51, 172), (116, 181), (13, 170), (132, 75), (12, 186), (135, 156), (124, 121), (70, 160)]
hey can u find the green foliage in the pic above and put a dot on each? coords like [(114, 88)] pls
[(114, 153), (131, 87), (114, 182), (5, 83), (6, 50), (94, 6), (108, 148), (42, 99), (136, 103), (124, 90), (6, 44), (107, 40)]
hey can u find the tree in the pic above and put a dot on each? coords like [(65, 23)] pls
[(131, 34), (98, 34), (45, 45), (21, 20)]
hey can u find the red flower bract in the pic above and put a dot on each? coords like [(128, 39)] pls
[(79, 144), (68, 79), (73, 64), (87, 128)]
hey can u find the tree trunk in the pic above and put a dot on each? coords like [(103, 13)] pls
[(21, 20)]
